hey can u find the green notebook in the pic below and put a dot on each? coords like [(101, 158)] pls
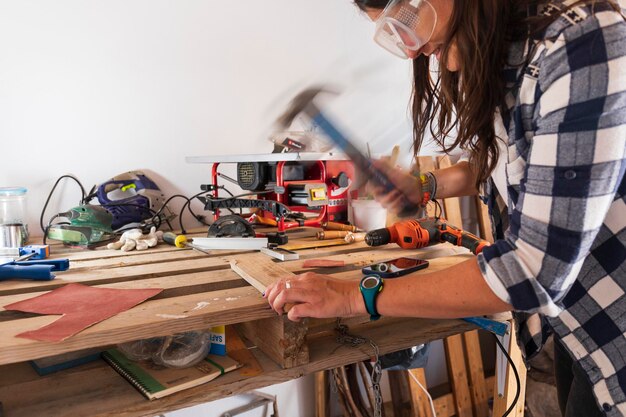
[(156, 382)]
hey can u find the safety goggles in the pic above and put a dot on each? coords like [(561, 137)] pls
[(405, 25)]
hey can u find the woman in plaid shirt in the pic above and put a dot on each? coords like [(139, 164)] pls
[(536, 95)]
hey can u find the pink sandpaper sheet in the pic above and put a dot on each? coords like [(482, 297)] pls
[(81, 306)]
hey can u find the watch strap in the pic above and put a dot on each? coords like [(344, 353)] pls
[(369, 297)]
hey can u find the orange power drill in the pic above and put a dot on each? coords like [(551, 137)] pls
[(415, 234)]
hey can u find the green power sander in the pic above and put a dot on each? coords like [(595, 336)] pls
[(87, 226)]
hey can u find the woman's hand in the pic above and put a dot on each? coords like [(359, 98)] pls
[(315, 295), (408, 192)]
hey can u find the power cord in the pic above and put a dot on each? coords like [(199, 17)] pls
[(517, 380), (45, 206)]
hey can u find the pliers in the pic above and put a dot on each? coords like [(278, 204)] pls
[(36, 270)]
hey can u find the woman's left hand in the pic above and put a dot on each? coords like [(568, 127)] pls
[(315, 295)]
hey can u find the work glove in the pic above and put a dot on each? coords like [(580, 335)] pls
[(135, 239)]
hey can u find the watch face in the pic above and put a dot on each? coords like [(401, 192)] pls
[(370, 282)]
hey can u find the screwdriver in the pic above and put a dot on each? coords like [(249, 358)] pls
[(180, 241)]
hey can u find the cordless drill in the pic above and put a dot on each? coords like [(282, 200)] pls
[(415, 234)]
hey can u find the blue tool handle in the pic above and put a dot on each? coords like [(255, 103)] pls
[(34, 272), (56, 264), (362, 162), (492, 326)]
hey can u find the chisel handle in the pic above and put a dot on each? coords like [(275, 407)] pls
[(180, 241), (339, 226)]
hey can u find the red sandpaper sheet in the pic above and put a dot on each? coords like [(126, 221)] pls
[(322, 263), (81, 306)]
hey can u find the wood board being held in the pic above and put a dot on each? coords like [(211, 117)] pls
[(259, 271)]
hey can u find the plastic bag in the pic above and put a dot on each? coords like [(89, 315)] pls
[(181, 350)]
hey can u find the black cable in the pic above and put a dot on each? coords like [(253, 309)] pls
[(517, 380), (45, 232), (45, 206), (188, 204), (232, 195)]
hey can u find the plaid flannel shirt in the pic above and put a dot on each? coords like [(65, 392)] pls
[(560, 253)]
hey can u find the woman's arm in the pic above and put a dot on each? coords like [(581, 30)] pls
[(458, 291), (455, 181)]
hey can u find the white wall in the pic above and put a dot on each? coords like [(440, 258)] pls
[(97, 88)]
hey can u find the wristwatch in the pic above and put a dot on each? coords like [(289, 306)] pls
[(371, 286)]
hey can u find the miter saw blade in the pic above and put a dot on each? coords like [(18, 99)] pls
[(231, 226)]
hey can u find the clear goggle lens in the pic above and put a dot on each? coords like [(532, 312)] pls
[(405, 25)]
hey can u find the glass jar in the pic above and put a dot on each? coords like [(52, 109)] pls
[(13, 205)]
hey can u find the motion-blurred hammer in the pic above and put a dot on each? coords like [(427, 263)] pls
[(305, 103)]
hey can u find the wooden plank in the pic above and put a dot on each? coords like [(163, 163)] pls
[(156, 318), (478, 387), (206, 264), (149, 319), (419, 399), (79, 392), (259, 270), (501, 404), (484, 221), (173, 286), (457, 372), (444, 405), (107, 276)]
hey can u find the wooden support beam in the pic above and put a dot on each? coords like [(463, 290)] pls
[(400, 396), (279, 338), (478, 386), (419, 399), (457, 372)]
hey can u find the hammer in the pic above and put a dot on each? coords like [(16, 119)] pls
[(304, 103)]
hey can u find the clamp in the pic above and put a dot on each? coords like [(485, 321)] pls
[(40, 270)]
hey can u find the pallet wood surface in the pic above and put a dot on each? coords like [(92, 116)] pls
[(200, 291)]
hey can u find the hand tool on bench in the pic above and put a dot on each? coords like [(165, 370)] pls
[(27, 252), (181, 241), (40, 270), (304, 103)]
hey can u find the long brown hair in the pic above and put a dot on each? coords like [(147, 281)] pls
[(467, 100)]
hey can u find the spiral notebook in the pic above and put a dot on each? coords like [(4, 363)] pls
[(156, 382)]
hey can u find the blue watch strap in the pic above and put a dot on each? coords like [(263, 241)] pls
[(371, 286)]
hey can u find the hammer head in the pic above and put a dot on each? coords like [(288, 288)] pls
[(304, 101)]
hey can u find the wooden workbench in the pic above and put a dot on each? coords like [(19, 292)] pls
[(189, 279)]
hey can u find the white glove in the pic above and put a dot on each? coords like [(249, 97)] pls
[(135, 239)]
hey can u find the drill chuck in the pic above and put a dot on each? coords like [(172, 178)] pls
[(378, 237)]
